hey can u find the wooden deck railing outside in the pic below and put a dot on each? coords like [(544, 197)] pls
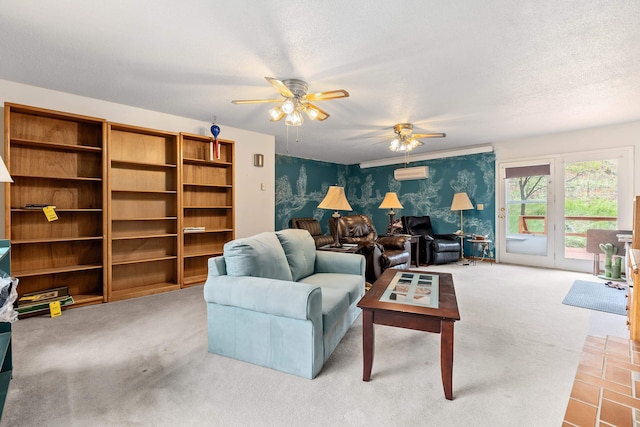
[(524, 222)]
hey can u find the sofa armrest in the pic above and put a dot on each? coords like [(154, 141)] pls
[(276, 297), (335, 262)]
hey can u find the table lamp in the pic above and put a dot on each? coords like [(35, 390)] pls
[(335, 200), (390, 202), (461, 203)]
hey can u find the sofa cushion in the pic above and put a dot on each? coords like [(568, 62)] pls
[(300, 250), (350, 283), (335, 303), (260, 255)]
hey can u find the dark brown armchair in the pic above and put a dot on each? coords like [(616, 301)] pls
[(432, 248), (313, 227), (380, 252)]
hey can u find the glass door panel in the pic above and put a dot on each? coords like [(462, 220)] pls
[(591, 193), (526, 215)]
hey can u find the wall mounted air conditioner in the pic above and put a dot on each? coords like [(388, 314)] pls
[(419, 172)]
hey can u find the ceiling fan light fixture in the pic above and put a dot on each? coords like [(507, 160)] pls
[(294, 119), (276, 114), (294, 101), (311, 112), (288, 106)]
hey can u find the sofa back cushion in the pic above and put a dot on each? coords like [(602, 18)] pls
[(300, 250), (354, 228), (260, 256)]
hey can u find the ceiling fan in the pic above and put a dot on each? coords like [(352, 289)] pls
[(406, 141), (294, 100)]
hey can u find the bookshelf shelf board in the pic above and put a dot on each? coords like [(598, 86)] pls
[(195, 280), (115, 163), (140, 261), (58, 178), (55, 240), (161, 218), (210, 230), (54, 145), (203, 253), (139, 291), (209, 207), (86, 299), (39, 210), (143, 236), (46, 271), (201, 162), (193, 184), (115, 190)]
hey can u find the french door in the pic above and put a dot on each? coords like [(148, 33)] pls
[(525, 199), (546, 205)]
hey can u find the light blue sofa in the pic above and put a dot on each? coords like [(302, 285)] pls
[(274, 301)]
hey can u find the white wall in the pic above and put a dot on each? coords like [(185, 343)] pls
[(254, 208), (622, 135)]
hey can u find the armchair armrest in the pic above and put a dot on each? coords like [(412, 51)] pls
[(335, 262), (398, 241), (277, 297)]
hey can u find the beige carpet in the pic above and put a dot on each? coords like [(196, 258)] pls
[(143, 362)]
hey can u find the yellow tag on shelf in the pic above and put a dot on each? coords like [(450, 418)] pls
[(55, 309), (50, 213)]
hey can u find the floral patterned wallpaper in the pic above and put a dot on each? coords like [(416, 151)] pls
[(301, 184)]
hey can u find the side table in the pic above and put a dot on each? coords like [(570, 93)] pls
[(478, 246), (346, 249)]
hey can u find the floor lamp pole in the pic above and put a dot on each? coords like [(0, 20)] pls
[(462, 258)]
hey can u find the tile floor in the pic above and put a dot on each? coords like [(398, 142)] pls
[(606, 390)]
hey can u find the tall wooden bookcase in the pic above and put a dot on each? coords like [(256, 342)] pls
[(144, 212), (123, 195), (56, 159), (207, 199)]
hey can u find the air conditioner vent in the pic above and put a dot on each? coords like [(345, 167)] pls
[(419, 172)]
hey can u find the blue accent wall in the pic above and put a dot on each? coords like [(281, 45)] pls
[(301, 184)]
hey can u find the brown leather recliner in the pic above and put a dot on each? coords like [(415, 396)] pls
[(380, 252), (313, 227)]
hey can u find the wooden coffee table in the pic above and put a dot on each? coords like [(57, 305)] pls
[(419, 300)]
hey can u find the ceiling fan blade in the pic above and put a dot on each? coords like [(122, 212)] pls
[(323, 96), (281, 87), (314, 112), (254, 101), (428, 135)]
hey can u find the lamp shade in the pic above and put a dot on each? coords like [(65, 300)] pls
[(4, 173), (461, 202), (390, 201), (335, 199)]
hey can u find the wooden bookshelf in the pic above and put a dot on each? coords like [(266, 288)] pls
[(56, 159), (144, 212), (207, 202), (123, 195)]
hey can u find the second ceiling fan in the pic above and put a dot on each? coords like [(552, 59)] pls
[(295, 99), (406, 140)]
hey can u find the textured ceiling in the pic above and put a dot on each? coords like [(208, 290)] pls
[(481, 72)]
